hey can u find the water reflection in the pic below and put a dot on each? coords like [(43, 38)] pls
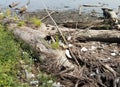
[(62, 4)]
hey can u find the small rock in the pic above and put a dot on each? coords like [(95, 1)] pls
[(108, 58), (116, 51), (93, 48), (92, 74), (29, 75), (117, 26), (34, 82), (69, 38), (70, 45), (57, 84), (84, 49)]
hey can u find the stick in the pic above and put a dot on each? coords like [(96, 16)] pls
[(47, 16), (77, 83), (60, 33), (109, 69)]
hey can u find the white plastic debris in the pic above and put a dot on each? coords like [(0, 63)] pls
[(67, 53), (113, 54), (84, 49)]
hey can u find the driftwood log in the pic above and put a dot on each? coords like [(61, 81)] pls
[(55, 61), (98, 35), (35, 39)]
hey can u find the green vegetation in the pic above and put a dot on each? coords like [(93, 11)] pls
[(36, 22), (55, 45), (46, 80), (9, 56), (21, 23), (12, 52)]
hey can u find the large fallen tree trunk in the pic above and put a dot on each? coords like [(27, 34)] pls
[(35, 39)]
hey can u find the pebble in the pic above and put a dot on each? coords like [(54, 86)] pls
[(69, 38), (93, 48), (29, 75), (84, 49), (34, 82), (57, 84)]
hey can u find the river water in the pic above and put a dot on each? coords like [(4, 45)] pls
[(62, 4)]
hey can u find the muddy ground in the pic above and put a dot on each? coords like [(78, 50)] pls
[(65, 16)]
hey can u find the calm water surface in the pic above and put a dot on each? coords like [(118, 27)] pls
[(61, 4)]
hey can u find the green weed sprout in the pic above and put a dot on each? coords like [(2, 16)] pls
[(15, 17), (37, 22), (55, 45), (21, 23)]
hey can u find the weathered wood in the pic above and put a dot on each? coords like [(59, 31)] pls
[(35, 39), (98, 35), (47, 16)]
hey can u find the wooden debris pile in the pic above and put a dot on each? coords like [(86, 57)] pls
[(83, 61)]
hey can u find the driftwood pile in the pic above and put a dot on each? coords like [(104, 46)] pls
[(74, 64)]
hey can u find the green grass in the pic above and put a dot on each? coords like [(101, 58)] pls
[(36, 22), (10, 55), (21, 23), (55, 45)]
